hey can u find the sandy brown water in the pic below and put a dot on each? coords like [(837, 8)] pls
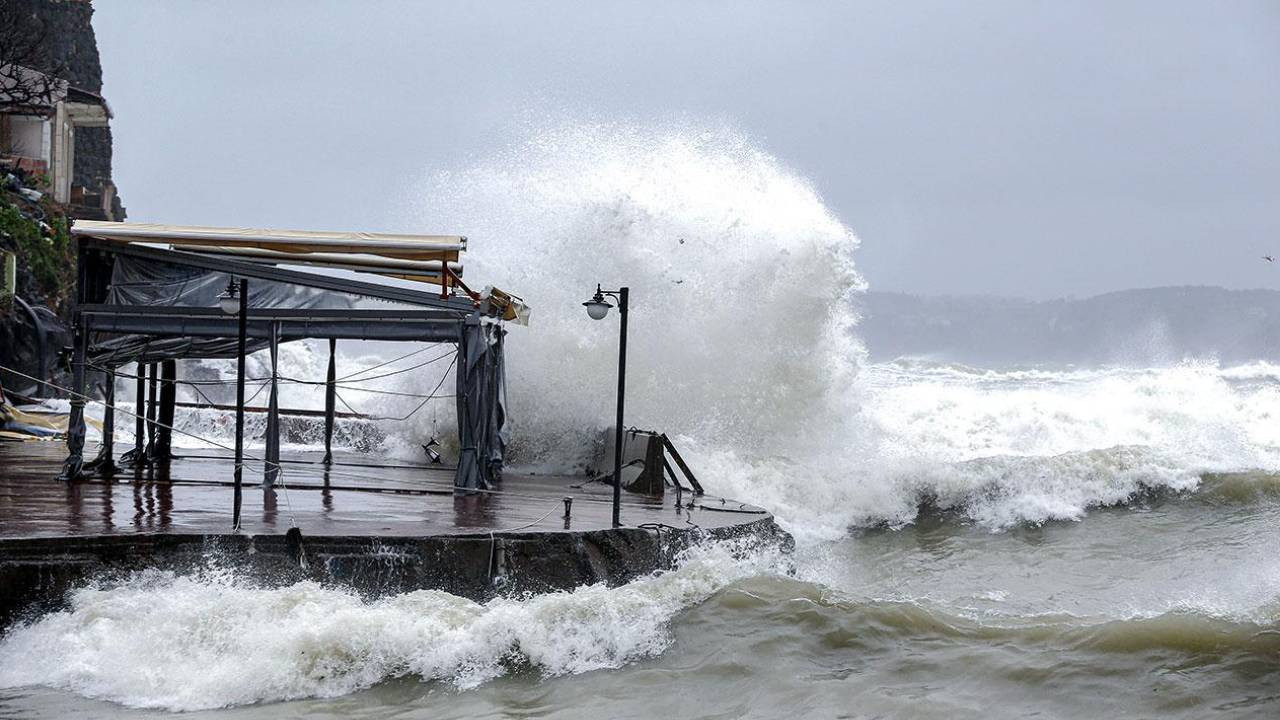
[(1167, 607)]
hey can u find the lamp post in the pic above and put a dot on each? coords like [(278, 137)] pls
[(597, 307), (235, 300)]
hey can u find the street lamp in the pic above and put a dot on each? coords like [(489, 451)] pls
[(229, 299), (235, 300), (597, 307)]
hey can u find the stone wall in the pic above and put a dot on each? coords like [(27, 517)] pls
[(68, 40), (93, 159), (71, 49)]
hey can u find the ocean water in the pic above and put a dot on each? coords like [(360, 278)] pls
[(971, 542)]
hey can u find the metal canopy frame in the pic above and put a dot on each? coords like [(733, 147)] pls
[(391, 325), (431, 318), (242, 268)]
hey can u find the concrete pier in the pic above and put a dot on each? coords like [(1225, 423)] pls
[(383, 529)]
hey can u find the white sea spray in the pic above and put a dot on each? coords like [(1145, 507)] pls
[(211, 639), (743, 347)]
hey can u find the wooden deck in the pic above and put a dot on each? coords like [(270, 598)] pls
[(194, 495)]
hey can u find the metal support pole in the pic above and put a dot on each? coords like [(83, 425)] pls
[(153, 383), (168, 402), (240, 353), (74, 464), (271, 468), (104, 464), (135, 457), (109, 424), (684, 467), (330, 391), (622, 393)]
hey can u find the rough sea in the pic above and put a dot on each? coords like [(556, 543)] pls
[(971, 542)]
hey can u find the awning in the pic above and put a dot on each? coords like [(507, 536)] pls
[(394, 245)]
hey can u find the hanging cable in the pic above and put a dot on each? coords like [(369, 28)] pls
[(346, 379), (396, 372), (344, 382), (332, 472), (391, 392), (134, 376), (211, 403), (422, 404), (351, 386), (215, 443), (388, 362)]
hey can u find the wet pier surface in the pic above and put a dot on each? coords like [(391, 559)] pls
[(194, 495), (383, 528)]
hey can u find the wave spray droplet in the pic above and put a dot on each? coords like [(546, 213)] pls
[(742, 284)]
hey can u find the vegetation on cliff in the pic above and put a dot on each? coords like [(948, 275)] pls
[(37, 233)]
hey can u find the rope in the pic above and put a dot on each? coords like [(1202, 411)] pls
[(493, 541), (211, 403), (298, 381), (292, 519), (195, 385), (347, 405), (383, 364), (134, 376), (198, 391), (254, 396), (395, 372), (528, 525), (351, 386), (421, 405), (336, 473), (392, 392)]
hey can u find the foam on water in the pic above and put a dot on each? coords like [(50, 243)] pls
[(209, 640), (741, 284), (1037, 445), (743, 347)]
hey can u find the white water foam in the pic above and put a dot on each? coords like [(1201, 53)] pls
[(1033, 445), (209, 640), (743, 347), (741, 340)]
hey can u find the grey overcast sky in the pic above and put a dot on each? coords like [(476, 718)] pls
[(999, 147)]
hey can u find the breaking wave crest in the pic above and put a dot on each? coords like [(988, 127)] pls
[(743, 347), (819, 611), (211, 639), (741, 279), (1005, 447)]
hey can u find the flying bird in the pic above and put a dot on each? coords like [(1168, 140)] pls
[(1269, 258)]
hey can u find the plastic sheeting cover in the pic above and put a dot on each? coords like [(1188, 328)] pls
[(148, 283), (482, 400)]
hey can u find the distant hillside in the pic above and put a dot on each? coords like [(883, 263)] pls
[(1151, 326)]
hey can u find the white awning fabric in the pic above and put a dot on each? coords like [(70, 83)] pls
[(395, 245)]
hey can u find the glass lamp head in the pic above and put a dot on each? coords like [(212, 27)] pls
[(229, 299), (597, 307)]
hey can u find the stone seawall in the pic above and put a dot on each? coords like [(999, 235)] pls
[(36, 573)]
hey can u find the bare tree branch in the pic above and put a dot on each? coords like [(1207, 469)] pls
[(29, 77)]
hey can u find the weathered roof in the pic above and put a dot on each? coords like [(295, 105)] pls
[(393, 245), (50, 90)]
